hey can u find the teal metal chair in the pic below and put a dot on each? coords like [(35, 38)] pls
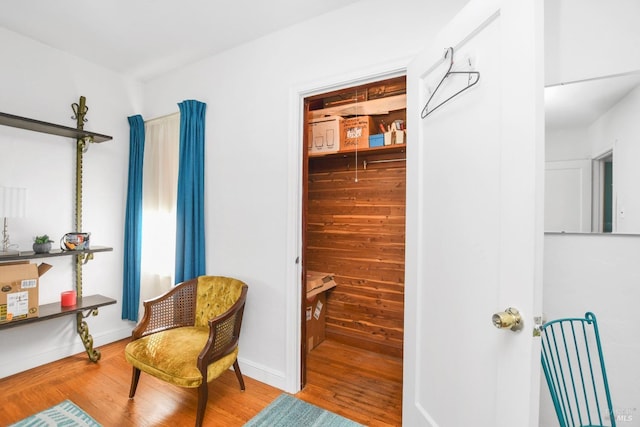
[(574, 368)]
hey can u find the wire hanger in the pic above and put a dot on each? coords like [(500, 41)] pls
[(470, 82)]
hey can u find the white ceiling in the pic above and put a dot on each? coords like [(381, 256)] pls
[(578, 104), (145, 38)]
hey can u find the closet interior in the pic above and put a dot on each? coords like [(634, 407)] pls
[(354, 217)]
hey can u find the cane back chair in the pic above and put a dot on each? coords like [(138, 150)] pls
[(189, 335)]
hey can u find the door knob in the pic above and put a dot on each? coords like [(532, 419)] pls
[(509, 318)]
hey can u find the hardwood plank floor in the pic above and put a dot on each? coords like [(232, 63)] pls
[(363, 386)]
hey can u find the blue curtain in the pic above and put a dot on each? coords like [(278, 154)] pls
[(133, 221), (190, 239)]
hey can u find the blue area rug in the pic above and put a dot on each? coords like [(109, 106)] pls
[(65, 414), (287, 411)]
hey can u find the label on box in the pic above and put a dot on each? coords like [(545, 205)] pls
[(309, 310), (29, 283), (355, 132), (18, 304), (318, 311)]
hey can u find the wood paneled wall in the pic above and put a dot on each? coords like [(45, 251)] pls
[(356, 230)]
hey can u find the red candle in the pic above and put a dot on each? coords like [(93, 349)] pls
[(68, 298)]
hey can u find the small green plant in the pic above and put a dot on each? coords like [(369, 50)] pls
[(42, 239)]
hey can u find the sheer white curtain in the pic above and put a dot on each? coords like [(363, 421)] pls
[(159, 194)]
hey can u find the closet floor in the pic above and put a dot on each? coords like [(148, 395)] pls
[(361, 385)]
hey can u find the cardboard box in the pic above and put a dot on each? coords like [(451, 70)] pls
[(318, 282), (19, 290), (356, 133), (317, 286), (324, 135), (316, 309)]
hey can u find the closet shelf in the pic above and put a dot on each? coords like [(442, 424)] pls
[(385, 149), (50, 128), (365, 108)]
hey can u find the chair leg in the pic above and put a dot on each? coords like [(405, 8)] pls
[(203, 395), (236, 369), (135, 376)]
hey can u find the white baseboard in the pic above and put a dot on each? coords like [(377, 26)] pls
[(35, 355), (262, 373)]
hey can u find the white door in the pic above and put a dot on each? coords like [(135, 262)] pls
[(567, 196), (475, 190)]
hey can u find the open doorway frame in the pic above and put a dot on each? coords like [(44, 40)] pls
[(296, 333), (603, 195)]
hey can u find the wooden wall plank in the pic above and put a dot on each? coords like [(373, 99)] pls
[(356, 230)]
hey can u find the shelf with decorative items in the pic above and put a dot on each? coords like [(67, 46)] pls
[(86, 254), (80, 305)]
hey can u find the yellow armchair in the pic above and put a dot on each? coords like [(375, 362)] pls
[(190, 333)]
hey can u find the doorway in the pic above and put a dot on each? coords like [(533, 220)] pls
[(603, 193), (353, 218)]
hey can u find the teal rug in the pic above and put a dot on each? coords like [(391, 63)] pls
[(287, 411), (65, 414)]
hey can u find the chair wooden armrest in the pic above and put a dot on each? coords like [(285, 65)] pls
[(224, 332), (173, 309)]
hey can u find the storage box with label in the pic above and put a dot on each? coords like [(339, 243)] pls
[(19, 290), (356, 131), (317, 286), (324, 135)]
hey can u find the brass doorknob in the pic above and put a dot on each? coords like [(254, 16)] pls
[(509, 318)]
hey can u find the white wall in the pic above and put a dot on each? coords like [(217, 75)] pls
[(590, 38), (566, 144), (42, 83), (253, 147), (595, 272)]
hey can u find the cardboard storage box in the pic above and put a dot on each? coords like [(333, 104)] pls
[(317, 286), (318, 282), (376, 140), (356, 131), (19, 290), (316, 309), (324, 135)]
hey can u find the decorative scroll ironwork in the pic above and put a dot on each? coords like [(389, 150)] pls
[(85, 336), (80, 110), (82, 144)]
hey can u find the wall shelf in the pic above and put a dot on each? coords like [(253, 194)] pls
[(49, 311), (26, 255), (50, 128), (88, 304)]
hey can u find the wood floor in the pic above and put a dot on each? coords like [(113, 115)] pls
[(362, 386)]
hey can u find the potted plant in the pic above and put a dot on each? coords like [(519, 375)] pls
[(42, 244)]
